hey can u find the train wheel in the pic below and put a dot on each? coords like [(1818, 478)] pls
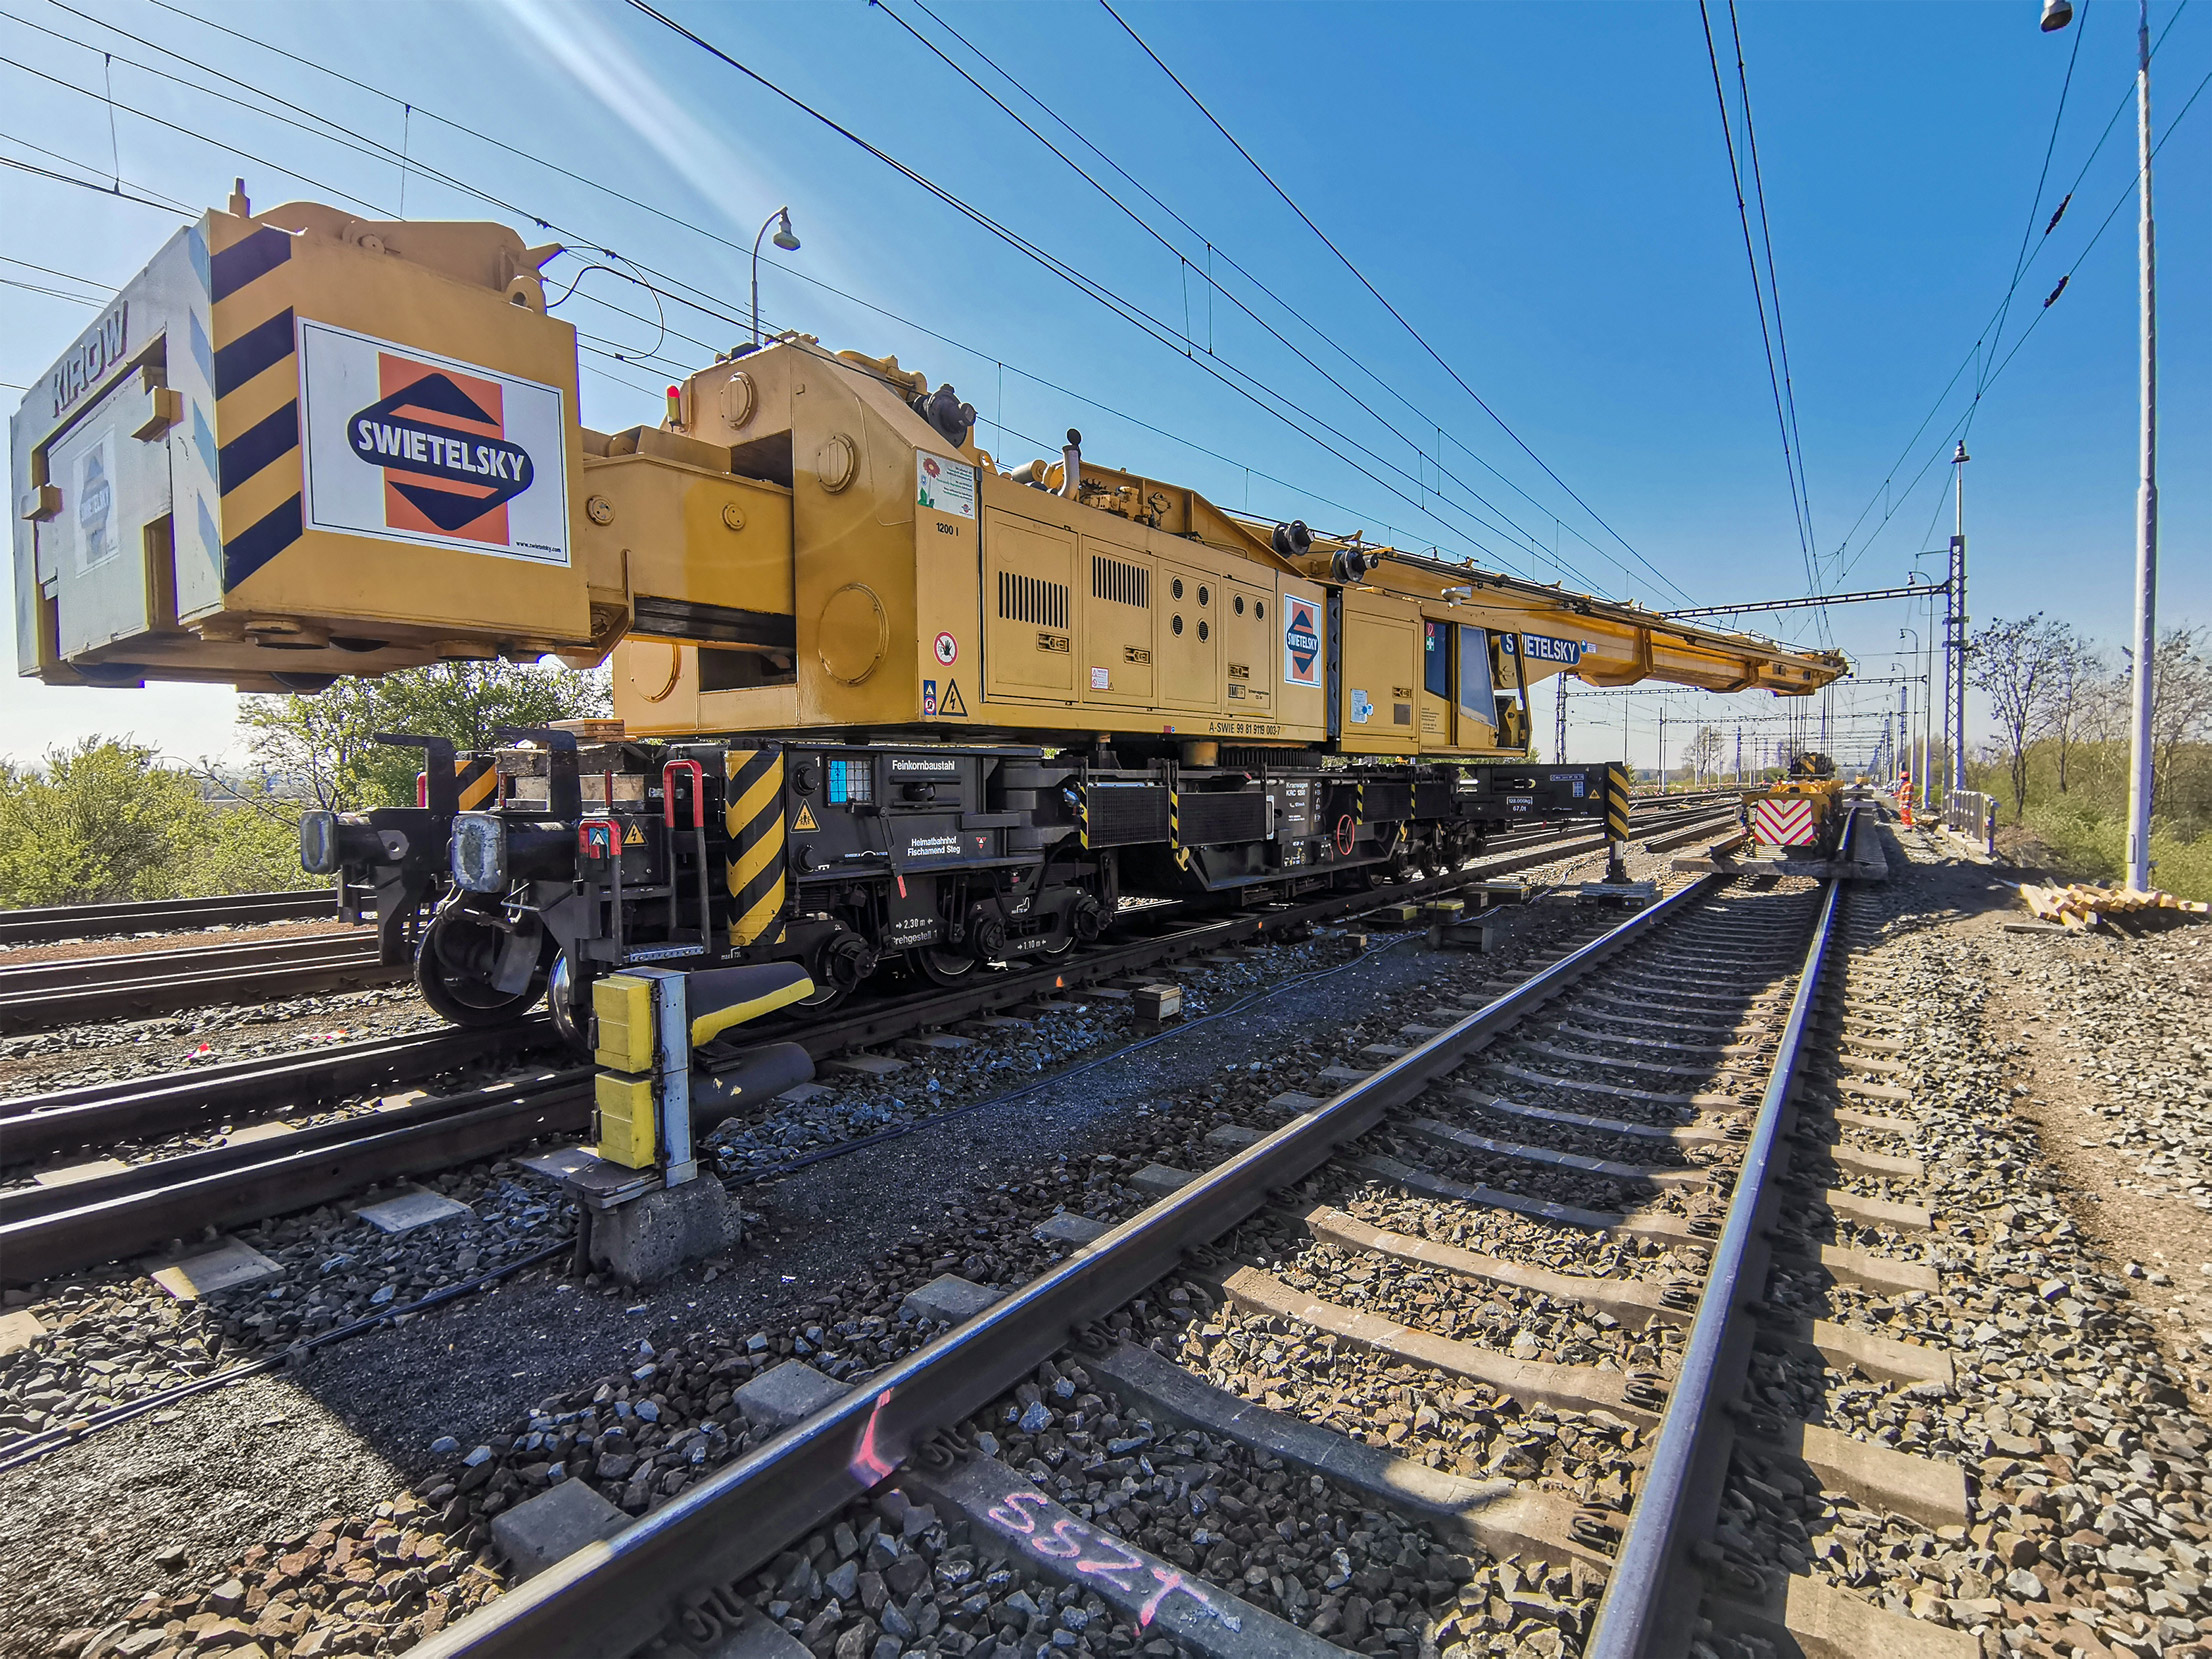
[(824, 998), (570, 1005), (454, 969), (941, 966)]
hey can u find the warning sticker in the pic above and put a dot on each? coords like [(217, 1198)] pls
[(948, 650), (1362, 708), (944, 486), (805, 820), (636, 837), (952, 705), (1101, 680)]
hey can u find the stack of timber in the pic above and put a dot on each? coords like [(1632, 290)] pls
[(2082, 905)]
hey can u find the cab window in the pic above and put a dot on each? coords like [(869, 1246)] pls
[(1436, 662), (1475, 697)]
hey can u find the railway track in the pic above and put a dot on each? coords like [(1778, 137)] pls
[(1600, 1150), (44, 924), (140, 984), (49, 1230), (133, 1110)]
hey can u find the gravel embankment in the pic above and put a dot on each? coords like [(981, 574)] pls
[(2086, 1463), (480, 1372)]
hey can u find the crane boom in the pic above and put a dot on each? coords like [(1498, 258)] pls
[(303, 445)]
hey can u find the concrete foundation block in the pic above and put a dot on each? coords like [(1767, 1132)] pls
[(411, 1210), (554, 1525), (778, 1398), (1068, 1228), (1159, 1180), (759, 1637), (653, 1235), (864, 1065), (224, 1267), (948, 1299)]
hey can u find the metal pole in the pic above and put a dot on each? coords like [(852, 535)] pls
[(1956, 639), (2146, 500), (1559, 722), (1904, 724)]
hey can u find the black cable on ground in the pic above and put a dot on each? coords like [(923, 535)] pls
[(36, 1446)]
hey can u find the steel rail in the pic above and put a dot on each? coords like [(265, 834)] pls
[(41, 924), (101, 1114), (49, 1230), (37, 995), (849, 1026), (44, 1231), (41, 995), (614, 1597), (1652, 1593)]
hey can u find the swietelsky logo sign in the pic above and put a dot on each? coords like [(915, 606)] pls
[(443, 447), (404, 445)]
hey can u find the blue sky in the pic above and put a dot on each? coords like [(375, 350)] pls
[(1542, 191)]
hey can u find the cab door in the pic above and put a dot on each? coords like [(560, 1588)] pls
[(1435, 696)]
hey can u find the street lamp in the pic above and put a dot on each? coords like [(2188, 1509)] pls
[(2056, 15), (786, 239)]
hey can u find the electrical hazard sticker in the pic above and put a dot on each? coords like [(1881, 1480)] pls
[(805, 819), (636, 837), (403, 445), (949, 706)]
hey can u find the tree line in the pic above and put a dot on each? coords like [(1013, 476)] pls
[(2063, 707), (110, 819)]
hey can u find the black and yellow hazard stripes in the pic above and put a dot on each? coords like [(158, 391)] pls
[(478, 779), (755, 821), (256, 384), (1616, 803), (1175, 826)]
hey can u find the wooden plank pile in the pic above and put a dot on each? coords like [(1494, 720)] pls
[(2083, 904)]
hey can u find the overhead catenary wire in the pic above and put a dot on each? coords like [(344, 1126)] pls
[(1257, 392), (1942, 451), (1323, 336), (1282, 407), (1774, 293), (1759, 299), (1974, 357), (1342, 259)]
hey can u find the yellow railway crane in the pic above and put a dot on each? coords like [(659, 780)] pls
[(876, 695)]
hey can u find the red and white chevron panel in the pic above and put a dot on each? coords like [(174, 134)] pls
[(1783, 823)]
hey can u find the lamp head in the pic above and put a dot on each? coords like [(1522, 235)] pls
[(2057, 14), (785, 238)]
